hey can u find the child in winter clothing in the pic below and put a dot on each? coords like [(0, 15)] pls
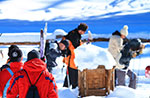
[(116, 45), (8, 60), (132, 49), (74, 38), (15, 56), (116, 42), (33, 67), (53, 50)]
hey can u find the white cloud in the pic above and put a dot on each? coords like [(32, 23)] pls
[(34, 10)]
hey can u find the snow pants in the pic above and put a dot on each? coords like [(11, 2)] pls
[(73, 78), (120, 78)]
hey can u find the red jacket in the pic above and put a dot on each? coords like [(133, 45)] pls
[(20, 84), (5, 75)]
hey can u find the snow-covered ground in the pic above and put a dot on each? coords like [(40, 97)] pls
[(89, 56)]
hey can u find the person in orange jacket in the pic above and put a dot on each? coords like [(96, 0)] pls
[(14, 66), (74, 38), (33, 69)]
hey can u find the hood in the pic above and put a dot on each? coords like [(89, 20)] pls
[(16, 66), (34, 65)]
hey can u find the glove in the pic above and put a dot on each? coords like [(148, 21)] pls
[(134, 55), (125, 68), (118, 66), (43, 59)]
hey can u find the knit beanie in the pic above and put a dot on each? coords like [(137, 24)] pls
[(33, 54), (15, 55), (82, 27), (124, 30), (12, 47), (65, 42)]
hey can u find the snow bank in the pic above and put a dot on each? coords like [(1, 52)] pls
[(58, 32), (90, 56), (29, 37), (126, 92), (68, 93)]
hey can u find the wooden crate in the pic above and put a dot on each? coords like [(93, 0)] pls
[(96, 82)]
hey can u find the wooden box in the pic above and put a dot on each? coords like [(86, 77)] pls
[(96, 82)]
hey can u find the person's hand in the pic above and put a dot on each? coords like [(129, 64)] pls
[(134, 55), (119, 66), (142, 46), (43, 59)]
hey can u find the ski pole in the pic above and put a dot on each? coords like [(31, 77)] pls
[(63, 64), (68, 77)]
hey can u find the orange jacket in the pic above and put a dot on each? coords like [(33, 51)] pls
[(5, 75), (20, 84), (69, 60)]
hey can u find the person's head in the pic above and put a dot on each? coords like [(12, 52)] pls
[(124, 31), (15, 55), (135, 44), (64, 44), (12, 47), (33, 54), (82, 28)]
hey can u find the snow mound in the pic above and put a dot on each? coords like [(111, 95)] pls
[(68, 93), (123, 92), (90, 56), (58, 32), (126, 92)]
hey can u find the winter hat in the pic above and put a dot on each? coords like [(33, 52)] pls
[(135, 44), (33, 54), (65, 42), (124, 31), (15, 55), (12, 47), (82, 27)]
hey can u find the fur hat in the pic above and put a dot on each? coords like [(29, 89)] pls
[(124, 30), (82, 27), (33, 54), (15, 55), (12, 47), (65, 42)]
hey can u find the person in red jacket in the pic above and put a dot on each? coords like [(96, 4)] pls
[(8, 60), (14, 66), (33, 67)]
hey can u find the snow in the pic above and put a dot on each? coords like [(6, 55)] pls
[(125, 92), (35, 36), (90, 56), (57, 32)]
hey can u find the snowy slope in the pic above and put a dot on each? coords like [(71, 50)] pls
[(35, 36)]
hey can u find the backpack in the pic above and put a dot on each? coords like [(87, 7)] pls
[(33, 91), (8, 82)]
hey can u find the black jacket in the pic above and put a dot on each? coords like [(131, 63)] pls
[(131, 47), (52, 51), (74, 37)]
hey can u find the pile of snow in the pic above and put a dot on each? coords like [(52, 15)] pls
[(68, 93), (90, 56), (58, 32), (126, 92)]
